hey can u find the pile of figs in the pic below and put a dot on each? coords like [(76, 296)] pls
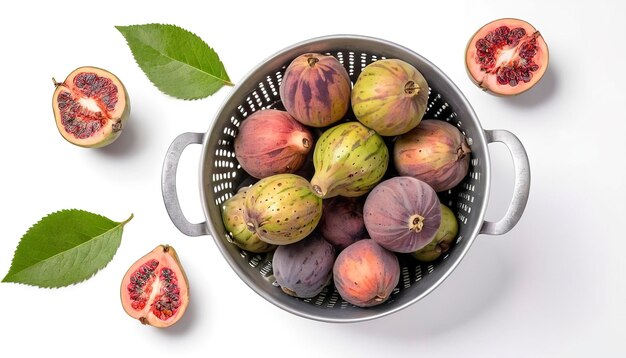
[(348, 179)]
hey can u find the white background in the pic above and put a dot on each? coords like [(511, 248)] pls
[(553, 286)]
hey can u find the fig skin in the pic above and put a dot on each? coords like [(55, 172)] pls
[(447, 232), (342, 221), (304, 268), (488, 81), (435, 152), (282, 209), (349, 159), (402, 214), (390, 96), (272, 142), (114, 118), (233, 218), (365, 273), (165, 257), (315, 89)]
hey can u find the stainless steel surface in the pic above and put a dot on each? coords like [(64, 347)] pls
[(220, 176), (521, 188), (168, 185)]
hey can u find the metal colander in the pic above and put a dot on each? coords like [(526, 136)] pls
[(221, 175)]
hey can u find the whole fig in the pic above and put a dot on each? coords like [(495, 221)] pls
[(365, 273), (446, 234), (402, 214), (435, 152), (315, 89), (349, 160), (234, 222), (282, 209), (390, 96), (342, 221), (304, 268), (271, 142)]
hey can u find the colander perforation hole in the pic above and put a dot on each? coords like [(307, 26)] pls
[(351, 64), (417, 273), (279, 75), (406, 280), (255, 260), (273, 88), (266, 96), (319, 299), (266, 269), (221, 199)]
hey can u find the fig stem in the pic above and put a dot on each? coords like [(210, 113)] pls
[(306, 142), (250, 226), (57, 84), (318, 190), (312, 61)]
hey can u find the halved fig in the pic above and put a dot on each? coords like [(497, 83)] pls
[(155, 289), (506, 57), (90, 107)]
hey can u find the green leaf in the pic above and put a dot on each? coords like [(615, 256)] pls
[(175, 60), (64, 248)]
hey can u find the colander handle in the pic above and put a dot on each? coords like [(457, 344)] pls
[(521, 188), (168, 185)]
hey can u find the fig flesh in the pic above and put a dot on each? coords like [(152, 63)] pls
[(435, 152), (506, 57), (91, 107), (402, 214), (155, 289), (390, 96), (272, 142)]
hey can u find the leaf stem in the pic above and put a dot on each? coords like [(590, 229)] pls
[(127, 220)]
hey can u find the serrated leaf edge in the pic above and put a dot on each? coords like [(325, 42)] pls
[(119, 224), (225, 83)]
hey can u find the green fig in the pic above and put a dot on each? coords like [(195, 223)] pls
[(349, 159), (444, 237), (234, 222), (390, 96), (282, 209)]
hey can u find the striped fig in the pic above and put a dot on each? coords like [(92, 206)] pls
[(349, 160), (435, 152), (315, 89), (402, 214), (238, 233), (272, 142), (390, 96), (282, 209)]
